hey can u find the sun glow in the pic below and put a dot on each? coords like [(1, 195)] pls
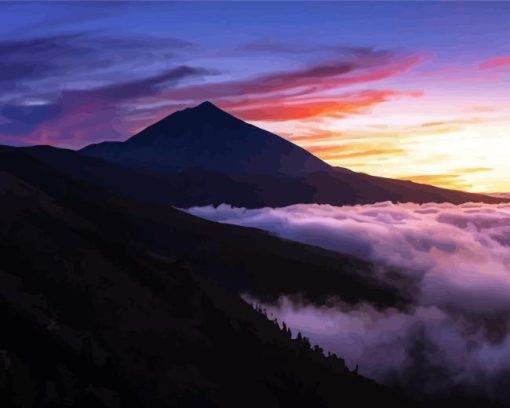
[(465, 149)]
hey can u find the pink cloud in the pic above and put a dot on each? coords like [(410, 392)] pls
[(451, 261), (496, 62), (321, 77), (279, 109), (115, 110)]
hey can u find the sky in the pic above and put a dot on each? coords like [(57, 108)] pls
[(411, 90)]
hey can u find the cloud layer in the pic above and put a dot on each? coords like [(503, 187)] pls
[(456, 333)]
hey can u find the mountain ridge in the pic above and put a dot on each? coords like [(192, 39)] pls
[(208, 156)]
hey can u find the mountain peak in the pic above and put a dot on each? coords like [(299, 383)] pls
[(187, 119), (205, 111), (207, 137), (206, 107)]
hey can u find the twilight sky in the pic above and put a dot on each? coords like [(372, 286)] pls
[(406, 90)]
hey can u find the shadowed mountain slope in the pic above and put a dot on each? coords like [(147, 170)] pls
[(110, 302), (195, 186), (242, 258)]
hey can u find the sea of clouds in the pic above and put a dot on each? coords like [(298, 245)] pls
[(456, 332)]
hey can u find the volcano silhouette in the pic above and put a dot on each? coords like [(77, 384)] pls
[(204, 155), (209, 138)]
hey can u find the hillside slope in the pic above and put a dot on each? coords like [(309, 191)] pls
[(242, 259), (197, 186), (105, 304)]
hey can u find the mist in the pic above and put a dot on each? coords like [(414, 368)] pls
[(454, 336)]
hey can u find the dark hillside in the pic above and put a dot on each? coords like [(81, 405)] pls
[(94, 313)]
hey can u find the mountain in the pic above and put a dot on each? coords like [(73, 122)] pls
[(204, 187), (235, 257), (500, 195), (203, 155), (107, 301), (207, 137)]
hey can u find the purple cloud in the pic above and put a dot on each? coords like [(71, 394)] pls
[(73, 88)]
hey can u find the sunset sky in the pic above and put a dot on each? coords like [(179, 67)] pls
[(411, 90)]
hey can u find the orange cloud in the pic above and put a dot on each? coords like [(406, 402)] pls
[(482, 109), (337, 152), (324, 76), (382, 132), (340, 106), (296, 94), (454, 181), (475, 170), (362, 153), (314, 135)]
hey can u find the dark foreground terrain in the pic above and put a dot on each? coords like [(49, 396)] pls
[(111, 302)]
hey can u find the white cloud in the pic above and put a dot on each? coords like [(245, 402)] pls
[(458, 325)]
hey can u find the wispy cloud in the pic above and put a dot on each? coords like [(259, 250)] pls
[(282, 109), (271, 46), (457, 179), (68, 102), (334, 153), (82, 116), (496, 62), (76, 56), (453, 180), (71, 88), (309, 92)]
